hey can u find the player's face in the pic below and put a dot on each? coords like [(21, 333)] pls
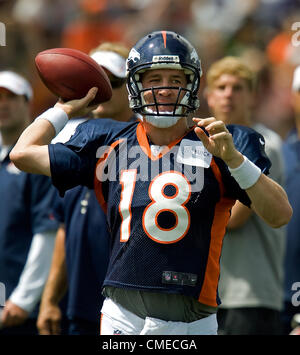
[(163, 77), (230, 99), (13, 110)]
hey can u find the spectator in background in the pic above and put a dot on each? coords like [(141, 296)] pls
[(82, 242), (27, 230), (95, 24), (291, 151), (252, 256)]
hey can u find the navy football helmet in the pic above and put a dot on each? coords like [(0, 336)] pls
[(158, 50)]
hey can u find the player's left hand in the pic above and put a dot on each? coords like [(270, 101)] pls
[(12, 315), (219, 141)]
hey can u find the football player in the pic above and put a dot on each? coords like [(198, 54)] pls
[(167, 189)]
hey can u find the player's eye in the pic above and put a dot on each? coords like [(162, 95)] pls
[(154, 80), (177, 82)]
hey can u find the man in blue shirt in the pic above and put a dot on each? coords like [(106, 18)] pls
[(27, 229), (291, 151)]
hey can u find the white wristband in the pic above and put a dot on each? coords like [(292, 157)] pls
[(56, 116), (247, 174)]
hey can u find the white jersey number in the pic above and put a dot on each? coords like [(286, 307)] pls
[(174, 204)]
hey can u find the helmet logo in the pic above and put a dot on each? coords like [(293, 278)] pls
[(134, 55), (194, 56), (165, 58)]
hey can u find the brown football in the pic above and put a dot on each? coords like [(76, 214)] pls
[(69, 74)]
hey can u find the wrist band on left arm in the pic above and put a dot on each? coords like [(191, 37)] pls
[(247, 174)]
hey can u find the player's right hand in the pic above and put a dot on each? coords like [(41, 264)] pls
[(80, 107), (49, 318)]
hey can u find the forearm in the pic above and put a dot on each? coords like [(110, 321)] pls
[(32, 281), (30, 153), (270, 202), (56, 284)]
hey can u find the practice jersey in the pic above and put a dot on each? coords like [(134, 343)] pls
[(166, 213)]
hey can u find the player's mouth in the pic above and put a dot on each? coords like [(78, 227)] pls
[(166, 107)]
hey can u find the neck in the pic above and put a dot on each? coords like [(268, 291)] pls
[(243, 120), (165, 136), (10, 137), (125, 116)]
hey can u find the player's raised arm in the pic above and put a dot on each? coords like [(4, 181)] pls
[(268, 199), (30, 153)]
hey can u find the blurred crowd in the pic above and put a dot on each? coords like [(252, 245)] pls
[(262, 32)]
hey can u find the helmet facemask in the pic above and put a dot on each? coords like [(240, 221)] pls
[(152, 53)]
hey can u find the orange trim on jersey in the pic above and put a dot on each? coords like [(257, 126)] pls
[(144, 144), (164, 34), (218, 176), (166, 210), (100, 325), (208, 292), (98, 170), (172, 196)]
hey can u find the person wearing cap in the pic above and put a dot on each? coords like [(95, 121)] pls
[(27, 229), (291, 152), (82, 244)]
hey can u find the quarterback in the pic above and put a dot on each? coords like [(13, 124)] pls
[(166, 226)]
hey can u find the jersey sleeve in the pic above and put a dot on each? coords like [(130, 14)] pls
[(73, 163), (251, 144), (41, 195)]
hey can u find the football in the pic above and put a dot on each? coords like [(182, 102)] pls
[(69, 74)]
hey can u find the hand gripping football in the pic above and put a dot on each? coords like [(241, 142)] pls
[(70, 73)]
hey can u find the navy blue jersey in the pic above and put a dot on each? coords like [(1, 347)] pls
[(87, 251), (25, 209), (166, 213)]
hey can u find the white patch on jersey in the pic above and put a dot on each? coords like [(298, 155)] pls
[(193, 153)]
